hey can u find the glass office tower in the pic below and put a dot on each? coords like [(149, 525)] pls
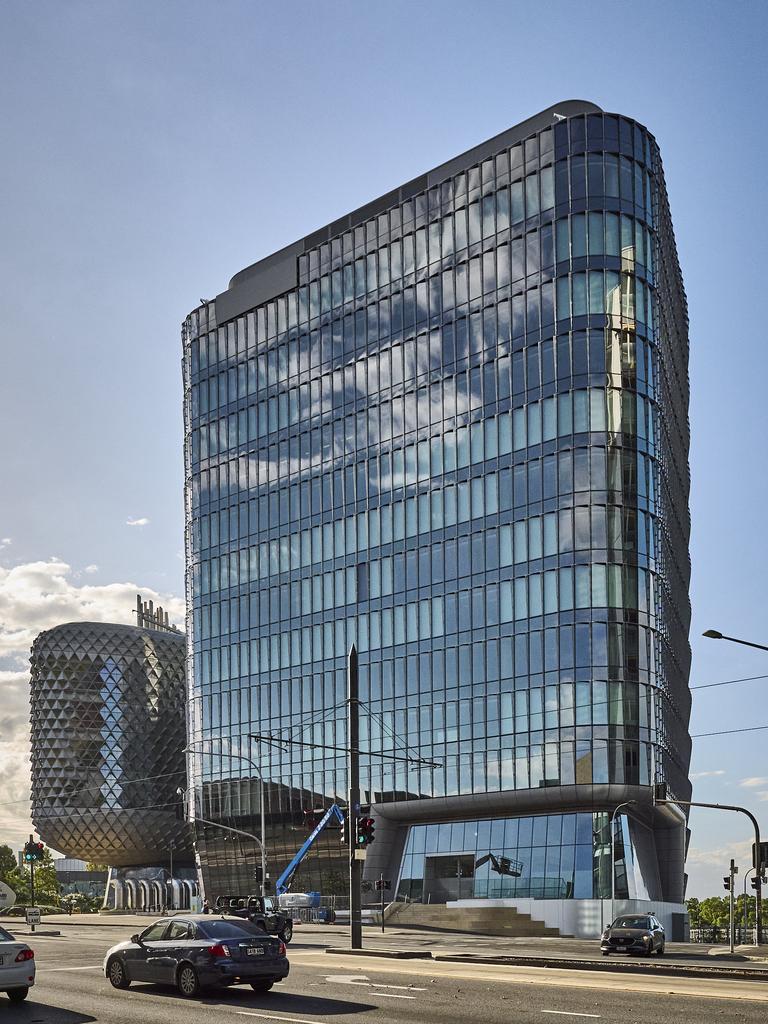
[(452, 428)]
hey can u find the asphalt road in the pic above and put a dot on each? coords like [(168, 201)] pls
[(334, 989), (441, 942)]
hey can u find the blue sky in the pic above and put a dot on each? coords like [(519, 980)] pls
[(152, 150)]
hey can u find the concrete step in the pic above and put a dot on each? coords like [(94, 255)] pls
[(477, 920)]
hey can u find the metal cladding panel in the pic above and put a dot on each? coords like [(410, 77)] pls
[(108, 717)]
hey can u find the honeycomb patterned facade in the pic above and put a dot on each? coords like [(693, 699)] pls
[(108, 717)]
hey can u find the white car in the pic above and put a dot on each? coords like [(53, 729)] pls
[(17, 967)]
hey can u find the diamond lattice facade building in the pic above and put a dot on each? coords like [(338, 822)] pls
[(108, 734)]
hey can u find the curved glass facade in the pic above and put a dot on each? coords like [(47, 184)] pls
[(458, 438)]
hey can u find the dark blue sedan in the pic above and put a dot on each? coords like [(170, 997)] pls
[(196, 952)]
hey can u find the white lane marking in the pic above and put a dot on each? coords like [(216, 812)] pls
[(270, 1016), (50, 970), (573, 1013), (362, 979), (392, 995), (405, 988)]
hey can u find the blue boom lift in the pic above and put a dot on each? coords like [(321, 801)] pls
[(283, 884)]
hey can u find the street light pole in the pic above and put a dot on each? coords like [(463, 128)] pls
[(759, 867), (170, 851), (257, 769), (627, 803), (746, 906), (714, 634)]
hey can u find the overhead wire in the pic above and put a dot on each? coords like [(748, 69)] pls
[(727, 682)]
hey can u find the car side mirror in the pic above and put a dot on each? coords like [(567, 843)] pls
[(136, 939)]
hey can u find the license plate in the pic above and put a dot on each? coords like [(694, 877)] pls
[(255, 951)]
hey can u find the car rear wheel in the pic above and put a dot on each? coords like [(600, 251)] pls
[(287, 932), (605, 952), (17, 995), (660, 950), (187, 981), (117, 974), (262, 986)]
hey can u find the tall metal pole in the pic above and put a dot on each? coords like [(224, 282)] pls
[(263, 834), (171, 856), (744, 915), (262, 816), (353, 765), (731, 913), (32, 881), (618, 807)]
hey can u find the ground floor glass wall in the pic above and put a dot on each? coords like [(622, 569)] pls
[(545, 856)]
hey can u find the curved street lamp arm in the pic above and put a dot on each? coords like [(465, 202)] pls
[(228, 828)]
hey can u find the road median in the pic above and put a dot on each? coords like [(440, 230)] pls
[(388, 954), (613, 966)]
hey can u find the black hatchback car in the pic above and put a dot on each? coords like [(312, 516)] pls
[(196, 952), (633, 933)]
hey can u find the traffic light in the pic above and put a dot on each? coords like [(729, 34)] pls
[(344, 826), (33, 852), (727, 883), (365, 830), (257, 874), (755, 883)]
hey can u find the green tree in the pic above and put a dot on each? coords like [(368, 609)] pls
[(47, 888), (18, 880), (90, 866), (715, 911), (693, 906), (8, 861)]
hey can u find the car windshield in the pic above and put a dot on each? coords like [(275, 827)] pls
[(230, 929), (5, 936), (631, 922)]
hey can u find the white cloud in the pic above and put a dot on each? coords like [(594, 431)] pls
[(35, 596), (754, 782), (707, 775), (143, 521), (740, 852), (5, 542), (91, 569)]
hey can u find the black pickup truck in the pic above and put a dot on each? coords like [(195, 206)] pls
[(261, 911)]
